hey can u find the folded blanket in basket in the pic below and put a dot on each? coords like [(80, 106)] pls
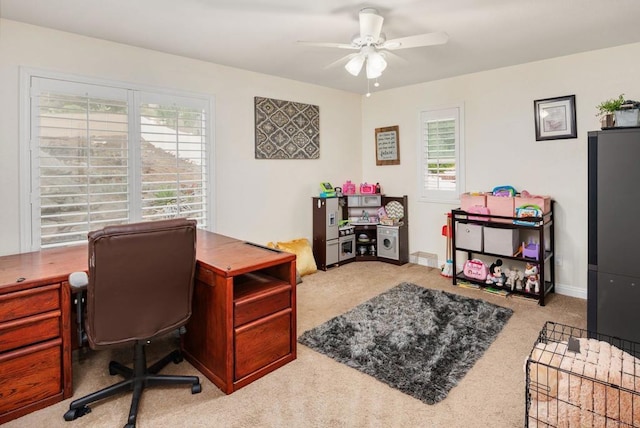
[(592, 388)]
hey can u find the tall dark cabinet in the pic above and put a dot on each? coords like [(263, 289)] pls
[(614, 233)]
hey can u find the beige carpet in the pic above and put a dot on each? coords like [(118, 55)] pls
[(315, 391)]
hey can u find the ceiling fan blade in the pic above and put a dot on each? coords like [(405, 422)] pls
[(393, 57), (428, 39), (370, 24), (328, 45)]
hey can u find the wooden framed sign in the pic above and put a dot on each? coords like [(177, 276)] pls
[(388, 146)]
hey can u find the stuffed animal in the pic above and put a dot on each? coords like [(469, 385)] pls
[(533, 280), (496, 276), (514, 279)]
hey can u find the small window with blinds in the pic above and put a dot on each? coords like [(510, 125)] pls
[(103, 155), (440, 149)]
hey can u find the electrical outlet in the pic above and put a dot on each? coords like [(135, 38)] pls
[(558, 260)]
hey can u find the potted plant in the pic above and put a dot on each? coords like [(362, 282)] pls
[(606, 110)]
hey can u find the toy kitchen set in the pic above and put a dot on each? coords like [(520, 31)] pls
[(360, 224)]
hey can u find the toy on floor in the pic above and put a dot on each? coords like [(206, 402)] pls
[(496, 276), (475, 269), (514, 279), (533, 279), (447, 268)]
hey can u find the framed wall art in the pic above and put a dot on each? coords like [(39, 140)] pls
[(286, 129), (388, 146), (555, 118)]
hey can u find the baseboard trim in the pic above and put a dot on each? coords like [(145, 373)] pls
[(571, 291)]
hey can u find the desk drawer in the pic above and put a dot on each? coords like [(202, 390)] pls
[(256, 297), (31, 375), (25, 331), (29, 302), (262, 342)]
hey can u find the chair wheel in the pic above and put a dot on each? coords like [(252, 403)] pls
[(72, 414), (112, 370), (196, 388)]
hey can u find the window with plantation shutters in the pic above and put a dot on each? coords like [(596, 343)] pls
[(173, 159), (101, 155), (440, 154)]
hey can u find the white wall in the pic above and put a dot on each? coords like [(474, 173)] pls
[(258, 200), (263, 200), (500, 142)]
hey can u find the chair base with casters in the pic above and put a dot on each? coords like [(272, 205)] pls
[(136, 379)]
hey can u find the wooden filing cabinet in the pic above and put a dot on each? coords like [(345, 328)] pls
[(243, 324), (35, 355), (262, 322)]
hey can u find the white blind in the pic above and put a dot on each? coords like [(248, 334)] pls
[(440, 154), (82, 165), (174, 167), (103, 155)]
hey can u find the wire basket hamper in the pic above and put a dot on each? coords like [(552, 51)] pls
[(577, 378)]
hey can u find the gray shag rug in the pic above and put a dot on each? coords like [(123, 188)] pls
[(417, 340)]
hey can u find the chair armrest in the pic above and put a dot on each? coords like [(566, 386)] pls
[(78, 281)]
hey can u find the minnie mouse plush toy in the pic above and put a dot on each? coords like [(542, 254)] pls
[(496, 276)]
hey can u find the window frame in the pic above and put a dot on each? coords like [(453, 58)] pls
[(433, 113), (29, 237)]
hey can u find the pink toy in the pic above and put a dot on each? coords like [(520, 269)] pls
[(478, 209), (475, 269), (367, 189), (349, 188)]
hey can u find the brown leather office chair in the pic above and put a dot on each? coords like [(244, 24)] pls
[(140, 286)]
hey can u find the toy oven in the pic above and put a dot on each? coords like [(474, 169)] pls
[(347, 247)]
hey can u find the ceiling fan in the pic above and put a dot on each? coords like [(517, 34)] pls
[(372, 44)]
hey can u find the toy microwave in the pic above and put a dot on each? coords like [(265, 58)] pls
[(367, 189)]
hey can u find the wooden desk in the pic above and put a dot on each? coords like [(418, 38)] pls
[(239, 303)]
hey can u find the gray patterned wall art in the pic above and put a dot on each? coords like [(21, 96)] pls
[(286, 129)]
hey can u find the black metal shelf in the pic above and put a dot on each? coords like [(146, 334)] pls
[(536, 224)]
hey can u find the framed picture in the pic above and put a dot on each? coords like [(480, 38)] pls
[(388, 146), (555, 118)]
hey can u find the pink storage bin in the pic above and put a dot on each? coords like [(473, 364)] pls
[(468, 200), (544, 202), (501, 205)]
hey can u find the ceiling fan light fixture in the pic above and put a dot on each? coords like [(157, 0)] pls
[(375, 65), (355, 65)]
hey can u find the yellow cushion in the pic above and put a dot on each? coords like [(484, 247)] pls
[(305, 263)]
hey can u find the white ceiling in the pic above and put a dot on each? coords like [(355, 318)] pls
[(261, 35)]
